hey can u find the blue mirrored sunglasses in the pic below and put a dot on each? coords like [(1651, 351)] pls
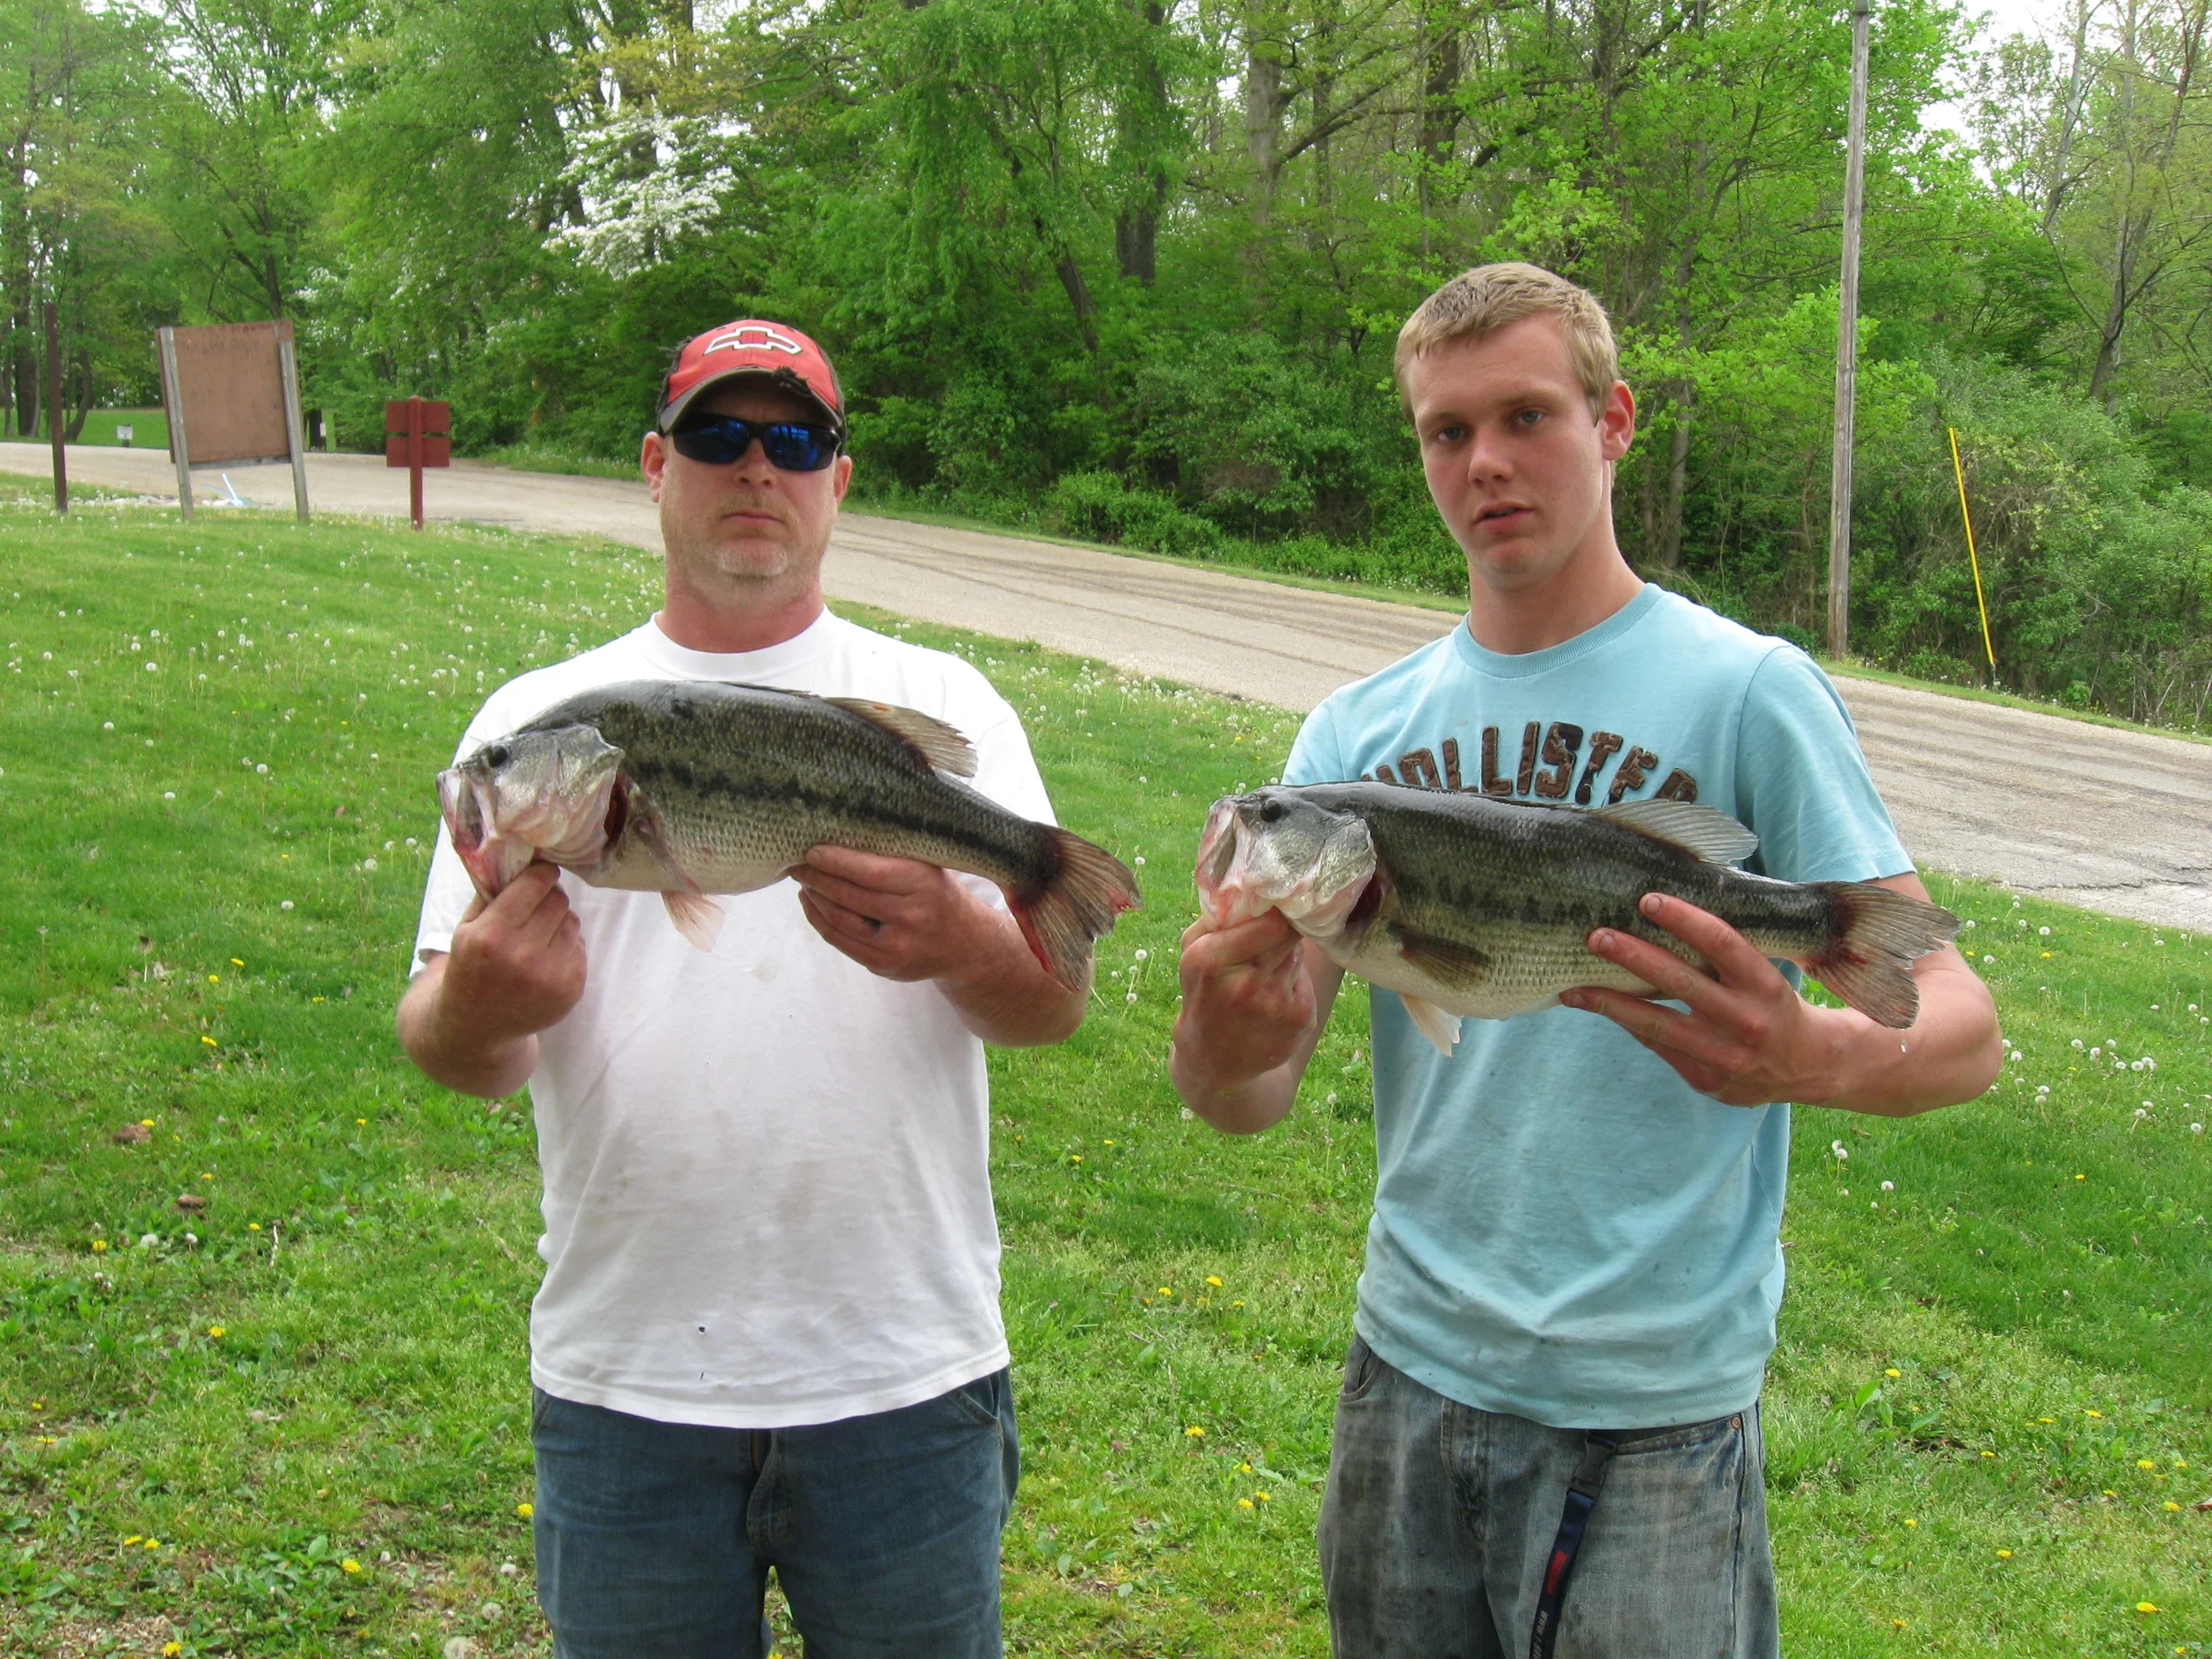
[(790, 445)]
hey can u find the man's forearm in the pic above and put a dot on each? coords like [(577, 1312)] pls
[(1004, 996), (1951, 1054), (1238, 1107), (454, 1057)]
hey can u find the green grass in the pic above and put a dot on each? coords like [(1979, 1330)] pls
[(149, 428), (331, 1366)]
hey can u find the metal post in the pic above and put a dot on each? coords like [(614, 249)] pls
[(1848, 348), (414, 460), (54, 410), (172, 394), (289, 370)]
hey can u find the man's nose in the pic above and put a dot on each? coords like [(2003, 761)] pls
[(753, 466), (1488, 456)]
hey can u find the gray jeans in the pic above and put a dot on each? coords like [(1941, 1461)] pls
[(1439, 1520)]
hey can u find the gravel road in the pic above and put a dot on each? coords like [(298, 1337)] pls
[(2118, 821)]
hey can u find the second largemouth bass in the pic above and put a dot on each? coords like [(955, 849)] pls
[(1469, 905)]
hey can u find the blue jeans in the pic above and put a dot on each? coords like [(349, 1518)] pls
[(1438, 1521), (654, 1539)]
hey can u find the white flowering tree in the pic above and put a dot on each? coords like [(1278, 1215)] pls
[(646, 181)]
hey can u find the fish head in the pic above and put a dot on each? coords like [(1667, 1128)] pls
[(1277, 848), (530, 795)]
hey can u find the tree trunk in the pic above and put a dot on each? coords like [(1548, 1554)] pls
[(1667, 550), (1262, 123), (1079, 294)]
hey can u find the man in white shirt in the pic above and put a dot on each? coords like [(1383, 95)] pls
[(769, 1331)]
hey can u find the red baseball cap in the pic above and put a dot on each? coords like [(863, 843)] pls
[(752, 347)]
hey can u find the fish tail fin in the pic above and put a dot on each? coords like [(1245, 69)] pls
[(1087, 887), (1875, 934)]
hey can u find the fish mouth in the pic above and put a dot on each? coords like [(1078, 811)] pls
[(1241, 873)]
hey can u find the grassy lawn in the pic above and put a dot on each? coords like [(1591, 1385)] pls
[(263, 1288)]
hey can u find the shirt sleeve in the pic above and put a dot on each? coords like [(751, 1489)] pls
[(1801, 782), (1316, 756)]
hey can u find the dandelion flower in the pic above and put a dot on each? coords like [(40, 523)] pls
[(2004, 1554), (2147, 1606), (2090, 1411), (2171, 1508), (1194, 1432), (2145, 1463), (1892, 1371), (99, 1246), (526, 1511), (1910, 1522), (349, 1564), (1214, 1279), (1244, 1503), (217, 1331), (170, 1646)]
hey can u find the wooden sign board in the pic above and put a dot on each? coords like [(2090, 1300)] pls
[(418, 432), (232, 392)]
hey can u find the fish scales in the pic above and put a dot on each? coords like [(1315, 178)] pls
[(801, 771), (1470, 905)]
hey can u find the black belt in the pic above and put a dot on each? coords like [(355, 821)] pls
[(1582, 1497)]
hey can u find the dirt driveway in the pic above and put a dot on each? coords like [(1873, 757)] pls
[(2118, 821)]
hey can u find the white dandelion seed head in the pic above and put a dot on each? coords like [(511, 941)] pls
[(2042, 933), (284, 904), (2076, 1045), (168, 794), (1840, 1150), (1143, 955), (1889, 1187), (107, 726)]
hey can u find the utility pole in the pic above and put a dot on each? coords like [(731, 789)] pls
[(1848, 347), (54, 410)]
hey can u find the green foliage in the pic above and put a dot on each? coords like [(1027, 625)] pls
[(1133, 269)]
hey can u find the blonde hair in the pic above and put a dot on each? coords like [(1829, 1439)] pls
[(1487, 298)]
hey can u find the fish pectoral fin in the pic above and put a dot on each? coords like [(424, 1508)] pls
[(1440, 1028), (940, 745), (697, 917), (1704, 831), (1457, 966)]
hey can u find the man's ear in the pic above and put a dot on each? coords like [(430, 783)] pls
[(841, 477), (1617, 422), (652, 461)]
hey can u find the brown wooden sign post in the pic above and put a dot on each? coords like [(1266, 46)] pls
[(55, 416), (232, 394), (418, 432)]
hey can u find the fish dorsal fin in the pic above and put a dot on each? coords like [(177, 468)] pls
[(1703, 831), (940, 745)]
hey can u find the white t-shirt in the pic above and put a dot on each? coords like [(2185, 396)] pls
[(767, 1187)]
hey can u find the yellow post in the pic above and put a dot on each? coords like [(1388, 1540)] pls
[(1959, 472)]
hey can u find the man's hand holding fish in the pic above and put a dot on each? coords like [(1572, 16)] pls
[(1748, 1038)]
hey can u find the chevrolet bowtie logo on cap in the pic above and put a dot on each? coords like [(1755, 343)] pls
[(755, 337), (775, 351)]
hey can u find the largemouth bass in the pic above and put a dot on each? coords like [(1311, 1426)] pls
[(692, 787), (1468, 904)]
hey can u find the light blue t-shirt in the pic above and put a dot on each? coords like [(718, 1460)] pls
[(1564, 1229)]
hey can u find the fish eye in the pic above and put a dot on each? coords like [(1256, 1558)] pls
[(498, 755), (1271, 811)]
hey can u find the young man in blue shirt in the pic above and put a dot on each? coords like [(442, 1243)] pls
[(1574, 1263)]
